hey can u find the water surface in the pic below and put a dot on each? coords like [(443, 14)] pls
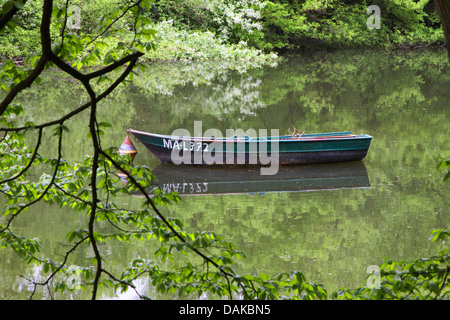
[(330, 234)]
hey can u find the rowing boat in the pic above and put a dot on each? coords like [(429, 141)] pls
[(287, 149), (283, 150)]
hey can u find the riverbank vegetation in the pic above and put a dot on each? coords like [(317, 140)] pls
[(113, 36), (230, 29), (286, 25)]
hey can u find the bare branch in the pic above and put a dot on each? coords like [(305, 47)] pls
[(115, 20)]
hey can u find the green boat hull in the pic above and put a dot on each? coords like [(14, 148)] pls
[(307, 149)]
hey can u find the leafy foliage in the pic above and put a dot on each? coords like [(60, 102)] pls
[(344, 24), (69, 187), (281, 25), (421, 279), (445, 163), (265, 25), (176, 44), (92, 185)]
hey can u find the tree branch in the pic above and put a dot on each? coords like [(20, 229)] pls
[(4, 19), (27, 82), (443, 8), (38, 143), (114, 65), (115, 20), (66, 256), (124, 282), (105, 93), (155, 209), (47, 188)]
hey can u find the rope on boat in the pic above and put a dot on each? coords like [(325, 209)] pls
[(295, 133)]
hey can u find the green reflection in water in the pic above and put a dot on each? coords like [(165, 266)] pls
[(332, 236)]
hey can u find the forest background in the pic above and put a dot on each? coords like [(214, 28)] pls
[(94, 33), (195, 29)]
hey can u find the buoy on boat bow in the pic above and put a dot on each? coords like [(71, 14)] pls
[(127, 147)]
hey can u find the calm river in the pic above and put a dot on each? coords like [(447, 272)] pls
[(331, 227)]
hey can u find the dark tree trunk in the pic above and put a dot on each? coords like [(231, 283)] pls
[(443, 7)]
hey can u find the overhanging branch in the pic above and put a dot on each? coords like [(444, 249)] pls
[(27, 82), (5, 18)]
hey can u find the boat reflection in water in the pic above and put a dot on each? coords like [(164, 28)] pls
[(220, 180)]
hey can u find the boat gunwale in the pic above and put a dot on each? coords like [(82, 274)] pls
[(312, 137)]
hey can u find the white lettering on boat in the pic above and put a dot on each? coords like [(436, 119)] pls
[(219, 150), (168, 144), (185, 145)]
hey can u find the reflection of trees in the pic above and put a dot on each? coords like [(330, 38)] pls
[(65, 96), (231, 96), (396, 97), (381, 94), (208, 88), (322, 232), (320, 84)]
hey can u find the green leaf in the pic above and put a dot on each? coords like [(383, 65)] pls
[(18, 4), (105, 124), (7, 6), (447, 176)]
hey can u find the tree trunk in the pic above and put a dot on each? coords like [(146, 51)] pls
[(443, 7)]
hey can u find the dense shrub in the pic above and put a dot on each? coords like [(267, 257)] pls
[(269, 25)]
